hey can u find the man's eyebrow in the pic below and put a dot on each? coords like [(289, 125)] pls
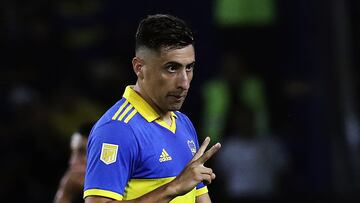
[(173, 63), (191, 64), (178, 64)]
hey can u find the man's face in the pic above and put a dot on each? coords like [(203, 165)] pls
[(167, 75)]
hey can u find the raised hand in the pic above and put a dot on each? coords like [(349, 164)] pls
[(195, 171)]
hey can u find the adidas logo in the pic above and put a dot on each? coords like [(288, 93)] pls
[(164, 156)]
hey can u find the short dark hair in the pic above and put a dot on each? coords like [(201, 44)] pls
[(163, 30)]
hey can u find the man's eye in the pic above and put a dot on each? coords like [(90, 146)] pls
[(171, 68), (190, 68)]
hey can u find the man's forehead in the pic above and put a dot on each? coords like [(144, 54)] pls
[(184, 56)]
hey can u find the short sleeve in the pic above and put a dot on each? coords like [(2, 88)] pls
[(111, 156)]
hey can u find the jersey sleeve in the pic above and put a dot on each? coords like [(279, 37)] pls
[(111, 155)]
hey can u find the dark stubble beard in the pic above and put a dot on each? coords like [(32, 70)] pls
[(176, 106)]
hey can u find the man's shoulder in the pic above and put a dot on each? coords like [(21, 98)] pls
[(120, 111), (113, 132), (181, 116), (110, 121)]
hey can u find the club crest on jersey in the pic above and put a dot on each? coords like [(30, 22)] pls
[(192, 146), (108, 153)]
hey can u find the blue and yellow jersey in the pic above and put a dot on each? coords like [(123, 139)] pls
[(132, 152)]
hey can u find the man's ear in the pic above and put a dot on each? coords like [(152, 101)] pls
[(138, 65)]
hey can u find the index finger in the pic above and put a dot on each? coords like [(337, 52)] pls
[(202, 149), (209, 153)]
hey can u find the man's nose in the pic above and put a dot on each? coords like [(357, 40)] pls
[(183, 80)]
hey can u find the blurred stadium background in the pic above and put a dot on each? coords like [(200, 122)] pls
[(283, 73)]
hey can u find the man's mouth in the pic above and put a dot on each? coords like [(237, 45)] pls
[(178, 97)]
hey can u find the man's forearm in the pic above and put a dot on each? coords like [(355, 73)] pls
[(163, 194), (62, 196)]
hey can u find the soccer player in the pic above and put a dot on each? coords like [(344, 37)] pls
[(72, 182), (143, 149)]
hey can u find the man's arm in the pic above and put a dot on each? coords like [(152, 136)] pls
[(162, 194), (71, 185), (205, 198), (193, 173)]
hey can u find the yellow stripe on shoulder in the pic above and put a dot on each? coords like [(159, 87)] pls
[(103, 193), (119, 110), (127, 119), (125, 112)]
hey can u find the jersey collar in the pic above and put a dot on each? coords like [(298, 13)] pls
[(141, 105)]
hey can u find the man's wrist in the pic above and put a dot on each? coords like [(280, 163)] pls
[(171, 190)]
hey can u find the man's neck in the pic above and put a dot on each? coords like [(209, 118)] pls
[(164, 115)]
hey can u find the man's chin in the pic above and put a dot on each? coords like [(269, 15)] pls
[(175, 107)]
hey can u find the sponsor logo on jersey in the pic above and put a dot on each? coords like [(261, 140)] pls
[(164, 156)]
